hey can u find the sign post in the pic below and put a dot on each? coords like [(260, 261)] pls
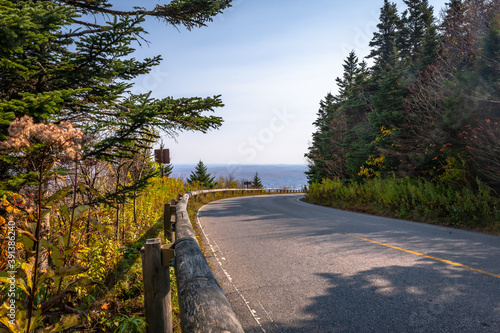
[(162, 156)]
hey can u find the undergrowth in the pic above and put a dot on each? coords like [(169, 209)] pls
[(117, 303), (415, 199), (105, 292)]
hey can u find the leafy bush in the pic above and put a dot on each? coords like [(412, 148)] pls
[(413, 199)]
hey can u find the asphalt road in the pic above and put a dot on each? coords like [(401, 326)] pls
[(288, 266)]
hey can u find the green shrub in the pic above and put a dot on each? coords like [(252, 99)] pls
[(413, 199)]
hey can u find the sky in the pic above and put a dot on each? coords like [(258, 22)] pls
[(272, 61)]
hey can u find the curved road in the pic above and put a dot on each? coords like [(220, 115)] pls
[(288, 266)]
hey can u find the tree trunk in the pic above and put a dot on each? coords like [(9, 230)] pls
[(117, 224)]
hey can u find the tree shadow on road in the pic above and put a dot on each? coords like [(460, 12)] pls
[(402, 294), (427, 297)]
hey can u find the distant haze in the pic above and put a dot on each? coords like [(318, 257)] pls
[(278, 175)]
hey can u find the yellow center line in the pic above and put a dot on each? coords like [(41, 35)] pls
[(426, 256), (404, 250)]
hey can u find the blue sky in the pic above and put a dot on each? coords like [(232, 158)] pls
[(272, 61)]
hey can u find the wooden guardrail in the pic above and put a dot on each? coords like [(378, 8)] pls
[(202, 303)]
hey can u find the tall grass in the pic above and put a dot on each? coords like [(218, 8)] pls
[(118, 297), (416, 199)]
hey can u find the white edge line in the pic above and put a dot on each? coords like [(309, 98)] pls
[(252, 311)]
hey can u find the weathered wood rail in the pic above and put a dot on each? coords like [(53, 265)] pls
[(202, 303)]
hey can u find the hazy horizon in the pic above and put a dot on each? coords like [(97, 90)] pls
[(271, 175)]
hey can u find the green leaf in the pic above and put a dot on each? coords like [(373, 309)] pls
[(66, 322), (82, 187), (58, 196), (70, 270), (56, 253), (63, 241), (99, 227), (64, 212), (26, 238), (80, 282), (79, 210), (47, 275)]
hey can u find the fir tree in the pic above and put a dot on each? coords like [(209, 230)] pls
[(256, 182), (319, 155), (386, 91), (201, 176), (347, 84), (457, 35), (167, 169), (384, 48), (428, 106), (59, 64), (338, 118), (417, 38)]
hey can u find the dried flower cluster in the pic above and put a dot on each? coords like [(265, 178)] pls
[(63, 139)]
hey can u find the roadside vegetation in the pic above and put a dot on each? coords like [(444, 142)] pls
[(91, 279), (100, 275), (79, 193), (414, 199), (416, 134)]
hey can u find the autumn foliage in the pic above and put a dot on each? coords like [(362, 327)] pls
[(79, 192)]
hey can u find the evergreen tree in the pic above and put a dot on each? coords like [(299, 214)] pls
[(59, 64), (428, 106), (458, 34), (417, 39), (347, 84), (485, 138), (385, 85), (61, 61), (337, 122), (256, 182), (320, 157), (384, 48), (201, 176), (167, 169), (384, 96)]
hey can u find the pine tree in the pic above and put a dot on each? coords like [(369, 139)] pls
[(59, 64), (201, 176), (427, 107), (66, 60), (347, 84), (256, 182), (167, 169), (386, 91), (457, 33), (319, 154), (384, 48), (338, 118), (417, 39)]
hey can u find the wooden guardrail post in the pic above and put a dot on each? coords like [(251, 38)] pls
[(156, 276), (167, 222)]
